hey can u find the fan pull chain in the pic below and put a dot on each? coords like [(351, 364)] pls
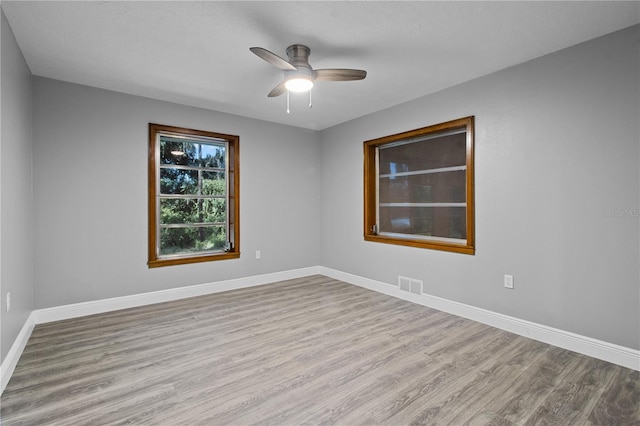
[(288, 111), (310, 105)]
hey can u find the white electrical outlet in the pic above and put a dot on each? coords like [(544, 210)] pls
[(258, 254), (508, 281), (8, 301)]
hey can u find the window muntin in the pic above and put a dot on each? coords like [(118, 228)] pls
[(193, 200), (419, 188)]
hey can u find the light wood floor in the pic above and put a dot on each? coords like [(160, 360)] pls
[(306, 351)]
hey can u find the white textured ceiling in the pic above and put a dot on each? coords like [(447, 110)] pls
[(197, 53)]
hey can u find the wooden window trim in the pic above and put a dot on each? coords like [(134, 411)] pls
[(234, 198), (370, 177)]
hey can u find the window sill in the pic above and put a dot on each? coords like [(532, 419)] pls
[(157, 263), (435, 245)]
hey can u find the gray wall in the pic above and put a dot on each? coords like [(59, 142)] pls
[(90, 172), (16, 202), (557, 146)]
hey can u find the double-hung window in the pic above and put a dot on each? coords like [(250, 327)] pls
[(418, 188), (193, 196)]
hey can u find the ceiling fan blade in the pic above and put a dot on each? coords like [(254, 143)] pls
[(278, 90), (338, 74), (273, 59)]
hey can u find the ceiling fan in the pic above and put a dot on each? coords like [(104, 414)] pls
[(299, 75)]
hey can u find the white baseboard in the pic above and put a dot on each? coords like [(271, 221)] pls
[(620, 355), (610, 352), (11, 360), (107, 305)]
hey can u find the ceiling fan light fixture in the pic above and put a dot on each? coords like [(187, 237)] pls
[(298, 74), (299, 84)]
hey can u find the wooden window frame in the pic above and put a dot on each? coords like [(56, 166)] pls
[(233, 217), (370, 188)]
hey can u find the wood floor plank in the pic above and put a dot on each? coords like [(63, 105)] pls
[(530, 389), (358, 380), (306, 351), (350, 395), (575, 396), (316, 359), (620, 401), (493, 382), (408, 405)]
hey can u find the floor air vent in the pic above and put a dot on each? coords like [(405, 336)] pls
[(410, 285)]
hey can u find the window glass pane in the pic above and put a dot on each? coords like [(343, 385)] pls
[(213, 183), (177, 181), (445, 151), (185, 152), (185, 182), (445, 222), (445, 187), (213, 156), (199, 210), (214, 209), (180, 152), (192, 239)]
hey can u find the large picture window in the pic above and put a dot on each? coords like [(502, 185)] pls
[(418, 188), (193, 196)]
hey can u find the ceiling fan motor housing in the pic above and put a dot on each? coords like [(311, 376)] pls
[(298, 55)]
